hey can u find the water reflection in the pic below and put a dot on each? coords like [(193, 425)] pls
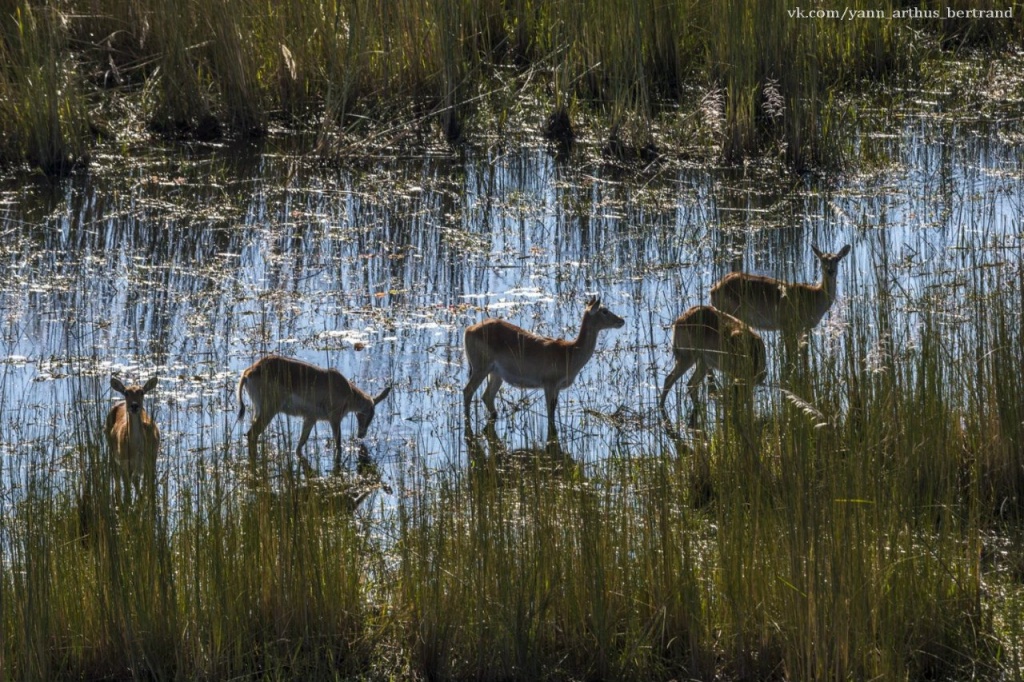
[(192, 263), (491, 460)]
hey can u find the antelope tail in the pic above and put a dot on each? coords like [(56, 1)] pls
[(241, 402)]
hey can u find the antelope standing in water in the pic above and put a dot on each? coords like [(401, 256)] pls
[(500, 351), (711, 339), (767, 303), (298, 389), (133, 438)]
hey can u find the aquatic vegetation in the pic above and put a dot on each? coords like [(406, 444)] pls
[(43, 108), (358, 72)]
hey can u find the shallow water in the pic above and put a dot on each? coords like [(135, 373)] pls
[(192, 262)]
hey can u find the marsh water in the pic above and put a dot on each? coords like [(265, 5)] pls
[(191, 261)]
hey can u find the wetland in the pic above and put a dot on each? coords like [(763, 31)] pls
[(862, 518)]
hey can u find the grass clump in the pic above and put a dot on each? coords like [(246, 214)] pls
[(198, 69), (42, 106), (221, 584)]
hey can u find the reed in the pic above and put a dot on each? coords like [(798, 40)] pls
[(42, 106), (356, 66), (855, 527)]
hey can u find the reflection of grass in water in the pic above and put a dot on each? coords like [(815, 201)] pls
[(847, 540)]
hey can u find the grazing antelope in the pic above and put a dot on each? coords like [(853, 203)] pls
[(132, 436), (299, 389), (710, 339), (499, 351), (772, 304)]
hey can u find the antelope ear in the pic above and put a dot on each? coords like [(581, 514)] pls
[(383, 394), (843, 251), (594, 302), (116, 384), (150, 385), (817, 253)]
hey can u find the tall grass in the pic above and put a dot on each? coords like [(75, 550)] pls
[(205, 69), (837, 533), (224, 584), (42, 106), (782, 72)]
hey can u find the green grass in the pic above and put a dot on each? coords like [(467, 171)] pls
[(44, 112), (851, 531), (195, 69)]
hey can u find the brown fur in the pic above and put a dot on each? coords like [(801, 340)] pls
[(299, 389), (710, 339), (500, 351), (133, 438), (772, 304)]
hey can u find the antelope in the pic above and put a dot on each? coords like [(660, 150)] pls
[(500, 351), (711, 339), (132, 436), (771, 304), (299, 389)]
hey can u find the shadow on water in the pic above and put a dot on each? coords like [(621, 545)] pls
[(343, 491), (490, 458)]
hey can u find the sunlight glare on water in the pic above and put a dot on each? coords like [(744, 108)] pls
[(193, 265)]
